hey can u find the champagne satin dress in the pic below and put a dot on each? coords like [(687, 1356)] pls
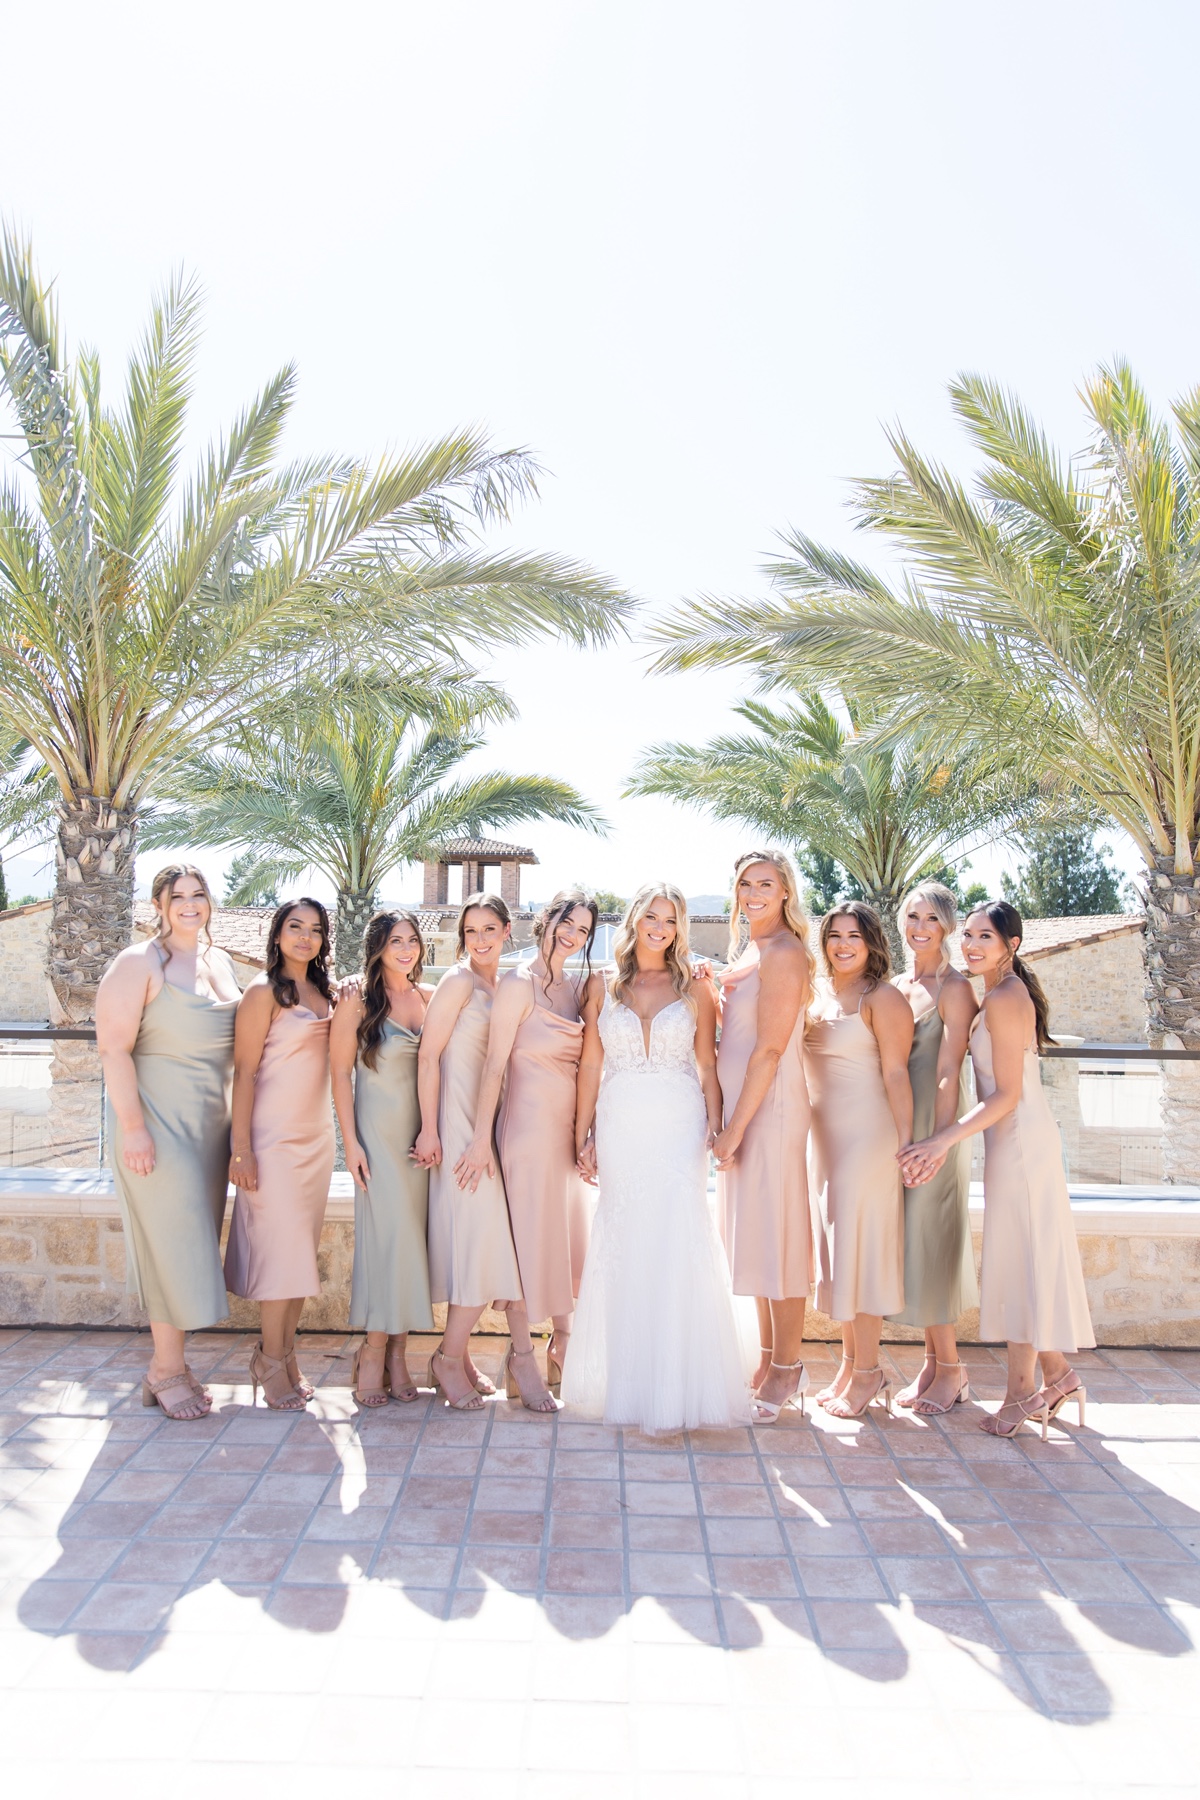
[(389, 1289), (535, 1135), (471, 1257), (854, 1178), (173, 1217), (276, 1230), (939, 1262), (762, 1202), (1032, 1286)]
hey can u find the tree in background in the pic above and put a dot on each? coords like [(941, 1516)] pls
[(354, 779), (1048, 620), (139, 616), (240, 887), (606, 901), (1064, 874), (852, 811)]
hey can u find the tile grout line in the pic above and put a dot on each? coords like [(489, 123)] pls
[(718, 1607), (469, 1516)]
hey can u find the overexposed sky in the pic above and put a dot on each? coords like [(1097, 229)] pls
[(692, 254)]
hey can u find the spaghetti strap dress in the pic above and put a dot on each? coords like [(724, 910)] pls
[(535, 1136), (762, 1201), (854, 1178), (276, 1230), (471, 1257), (939, 1263), (173, 1216), (389, 1288), (1032, 1289)]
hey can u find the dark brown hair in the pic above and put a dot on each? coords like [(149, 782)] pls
[(493, 904), (545, 931), (162, 892), (282, 985), (1008, 924), (879, 957), (376, 1005)]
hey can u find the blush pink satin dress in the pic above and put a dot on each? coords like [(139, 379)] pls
[(762, 1201), (275, 1232), (535, 1136)]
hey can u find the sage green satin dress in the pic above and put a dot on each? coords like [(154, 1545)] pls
[(184, 1062), (939, 1263), (389, 1288)]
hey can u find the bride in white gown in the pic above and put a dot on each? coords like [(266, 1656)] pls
[(656, 1342)]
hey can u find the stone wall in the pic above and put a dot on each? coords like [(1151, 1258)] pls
[(1095, 990), (23, 933), (62, 1262)]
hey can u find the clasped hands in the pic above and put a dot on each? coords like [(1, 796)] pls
[(919, 1163)]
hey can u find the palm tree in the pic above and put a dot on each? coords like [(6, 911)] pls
[(136, 613), (355, 780), (811, 782), (1049, 618)]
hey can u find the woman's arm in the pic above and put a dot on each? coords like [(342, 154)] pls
[(343, 1053), (441, 1016), (706, 1055), (120, 1001), (1010, 1027), (783, 995), (587, 1087), (511, 1007), (958, 1007), (256, 1009), (890, 1017)]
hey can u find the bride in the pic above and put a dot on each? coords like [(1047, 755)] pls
[(655, 1342)]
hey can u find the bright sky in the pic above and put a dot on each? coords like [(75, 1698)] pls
[(692, 254)]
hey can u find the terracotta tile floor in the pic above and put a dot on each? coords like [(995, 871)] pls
[(278, 1602)]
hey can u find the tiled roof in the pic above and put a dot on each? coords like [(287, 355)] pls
[(1047, 937), (239, 930), (474, 848)]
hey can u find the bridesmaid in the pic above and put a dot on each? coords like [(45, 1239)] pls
[(374, 1039), (1033, 1293), (164, 1029), (471, 1255), (939, 1264), (856, 1056), (762, 1184), (283, 1143), (535, 1040)]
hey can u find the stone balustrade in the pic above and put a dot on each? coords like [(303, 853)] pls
[(62, 1260)]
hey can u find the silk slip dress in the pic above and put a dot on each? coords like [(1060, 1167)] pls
[(389, 1289)]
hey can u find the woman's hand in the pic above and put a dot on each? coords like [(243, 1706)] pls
[(476, 1161), (348, 988), (427, 1151), (357, 1164), (243, 1171), (137, 1151), (725, 1147), (919, 1163), (585, 1162)]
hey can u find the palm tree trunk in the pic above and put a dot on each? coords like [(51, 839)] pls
[(1173, 1009), (887, 904), (354, 909), (92, 918)]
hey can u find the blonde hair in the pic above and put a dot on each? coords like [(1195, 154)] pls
[(164, 882), (794, 916), (942, 902), (625, 948)]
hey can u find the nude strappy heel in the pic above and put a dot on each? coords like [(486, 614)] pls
[(554, 1364), (830, 1393), (512, 1388), (264, 1368), (840, 1408), (1078, 1394), (1031, 1407), (929, 1409), (909, 1396), (369, 1396), (766, 1412), (470, 1402), (153, 1391)]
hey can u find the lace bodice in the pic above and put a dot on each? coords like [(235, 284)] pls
[(672, 1040)]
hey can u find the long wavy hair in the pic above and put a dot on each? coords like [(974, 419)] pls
[(879, 957), (282, 986), (491, 903), (1008, 924), (794, 916), (941, 901), (162, 892), (545, 931), (625, 948), (375, 1003)]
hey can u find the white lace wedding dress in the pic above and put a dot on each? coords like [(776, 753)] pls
[(656, 1342)]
